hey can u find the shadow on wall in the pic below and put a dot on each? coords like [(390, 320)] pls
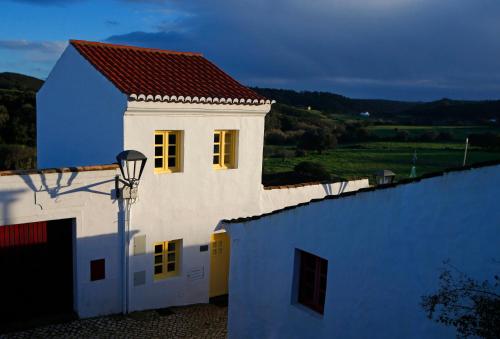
[(60, 187), (327, 187)]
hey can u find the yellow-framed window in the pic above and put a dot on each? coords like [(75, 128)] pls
[(168, 147), (225, 149), (167, 259)]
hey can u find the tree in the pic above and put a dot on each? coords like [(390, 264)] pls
[(472, 307), (4, 116), (318, 140), (275, 137)]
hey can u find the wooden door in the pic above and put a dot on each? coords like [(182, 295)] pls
[(219, 264)]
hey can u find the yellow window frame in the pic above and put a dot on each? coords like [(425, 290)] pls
[(165, 152), (166, 258), (226, 155)]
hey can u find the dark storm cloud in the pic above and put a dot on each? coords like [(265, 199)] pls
[(413, 49)]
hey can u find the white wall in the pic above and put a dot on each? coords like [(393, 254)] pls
[(278, 198), (384, 249), (79, 115), (83, 119), (189, 205), (83, 196)]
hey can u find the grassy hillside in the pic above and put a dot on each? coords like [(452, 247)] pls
[(20, 82), (363, 159)]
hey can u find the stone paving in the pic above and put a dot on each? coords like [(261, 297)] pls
[(194, 321)]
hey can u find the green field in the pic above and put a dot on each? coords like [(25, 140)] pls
[(362, 159), (458, 132)]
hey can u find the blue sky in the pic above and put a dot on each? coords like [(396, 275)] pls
[(399, 49)]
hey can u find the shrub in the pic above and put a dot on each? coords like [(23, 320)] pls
[(312, 171), (445, 136), (318, 140), (428, 136), (402, 136), (300, 152), (14, 157), (486, 140)]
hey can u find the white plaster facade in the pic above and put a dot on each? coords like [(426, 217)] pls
[(385, 249), (83, 120), (86, 197), (79, 115)]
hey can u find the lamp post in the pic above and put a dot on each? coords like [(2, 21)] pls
[(131, 173), (131, 167)]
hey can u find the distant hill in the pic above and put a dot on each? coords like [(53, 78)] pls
[(333, 103), (20, 82), (440, 111)]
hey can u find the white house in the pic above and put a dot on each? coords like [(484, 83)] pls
[(357, 265), (202, 133)]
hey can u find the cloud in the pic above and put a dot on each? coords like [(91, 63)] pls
[(112, 22), (44, 47), (48, 2), (411, 49), (32, 57)]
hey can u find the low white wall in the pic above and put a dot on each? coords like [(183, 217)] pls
[(384, 249), (87, 198), (278, 198)]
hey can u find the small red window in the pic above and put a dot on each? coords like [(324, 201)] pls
[(97, 269), (312, 281)]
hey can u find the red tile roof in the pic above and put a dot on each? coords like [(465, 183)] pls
[(161, 75)]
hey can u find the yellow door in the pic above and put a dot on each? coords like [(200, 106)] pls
[(219, 264)]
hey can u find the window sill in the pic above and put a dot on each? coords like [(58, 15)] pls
[(167, 172), (165, 278), (220, 168)]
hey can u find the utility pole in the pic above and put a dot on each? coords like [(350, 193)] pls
[(465, 153), (413, 172)]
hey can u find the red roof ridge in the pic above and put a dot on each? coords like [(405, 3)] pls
[(143, 49)]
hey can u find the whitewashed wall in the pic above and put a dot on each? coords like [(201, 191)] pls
[(189, 205), (384, 250), (85, 196), (278, 198), (83, 119), (79, 115)]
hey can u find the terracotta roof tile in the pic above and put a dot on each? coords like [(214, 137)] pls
[(161, 75)]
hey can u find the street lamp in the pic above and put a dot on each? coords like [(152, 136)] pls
[(131, 166)]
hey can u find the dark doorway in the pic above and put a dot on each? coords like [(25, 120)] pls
[(36, 271)]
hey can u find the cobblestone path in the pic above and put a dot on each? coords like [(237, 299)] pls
[(195, 321)]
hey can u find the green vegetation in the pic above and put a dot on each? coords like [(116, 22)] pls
[(363, 159), (351, 146), (17, 121), (458, 133)]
